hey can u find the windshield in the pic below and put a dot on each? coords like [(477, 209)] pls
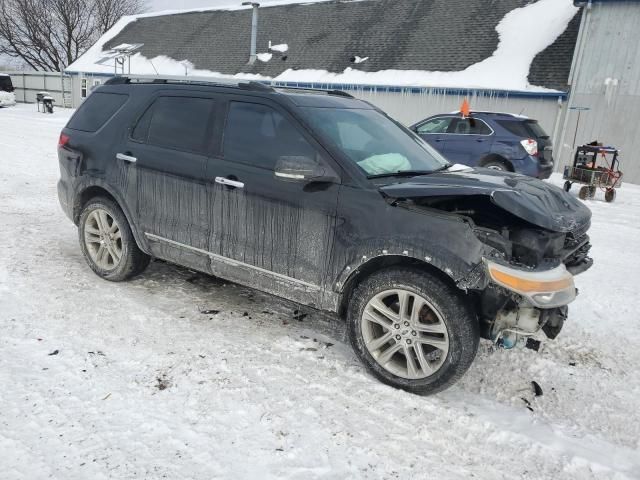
[(374, 142)]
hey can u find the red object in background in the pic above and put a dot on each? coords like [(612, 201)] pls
[(465, 110)]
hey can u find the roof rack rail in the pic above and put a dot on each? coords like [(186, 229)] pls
[(340, 93), (315, 90), (178, 79)]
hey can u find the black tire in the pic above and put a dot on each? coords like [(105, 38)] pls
[(132, 262), (610, 195), (583, 193), (567, 186), (458, 317), (497, 165)]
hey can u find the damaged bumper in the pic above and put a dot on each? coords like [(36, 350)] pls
[(519, 303)]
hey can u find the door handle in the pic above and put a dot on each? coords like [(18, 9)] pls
[(480, 140), (229, 183), (126, 158)]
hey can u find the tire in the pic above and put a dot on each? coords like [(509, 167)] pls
[(117, 258), (583, 193), (567, 186), (496, 165), (610, 195), (447, 312)]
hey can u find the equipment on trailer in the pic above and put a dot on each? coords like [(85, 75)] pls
[(585, 170), (46, 100)]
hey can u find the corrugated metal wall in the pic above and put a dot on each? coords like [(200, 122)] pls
[(608, 83), (408, 108), (28, 84)]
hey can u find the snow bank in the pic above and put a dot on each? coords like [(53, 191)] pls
[(147, 382), (523, 33)]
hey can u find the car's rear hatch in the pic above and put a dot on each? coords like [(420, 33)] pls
[(529, 128)]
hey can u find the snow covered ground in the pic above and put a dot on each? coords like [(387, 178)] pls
[(101, 380)]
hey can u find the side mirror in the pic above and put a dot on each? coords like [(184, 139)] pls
[(298, 168)]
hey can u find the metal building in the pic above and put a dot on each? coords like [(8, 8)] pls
[(604, 103)]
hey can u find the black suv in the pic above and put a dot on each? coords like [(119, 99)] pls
[(324, 200)]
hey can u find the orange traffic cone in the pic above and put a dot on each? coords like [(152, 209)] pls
[(465, 110)]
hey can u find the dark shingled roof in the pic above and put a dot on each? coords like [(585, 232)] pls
[(550, 68), (431, 35)]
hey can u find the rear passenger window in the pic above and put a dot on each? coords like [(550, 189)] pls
[(258, 135), (179, 123), (96, 110), (517, 128), (470, 126)]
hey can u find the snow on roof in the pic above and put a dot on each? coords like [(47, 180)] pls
[(523, 33)]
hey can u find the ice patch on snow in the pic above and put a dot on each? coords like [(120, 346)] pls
[(523, 33)]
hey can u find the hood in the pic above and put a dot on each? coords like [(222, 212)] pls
[(530, 199)]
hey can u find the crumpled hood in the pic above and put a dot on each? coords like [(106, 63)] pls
[(528, 198)]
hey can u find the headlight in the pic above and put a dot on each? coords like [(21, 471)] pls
[(544, 289)]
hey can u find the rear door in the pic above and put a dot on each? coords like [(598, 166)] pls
[(168, 145), (267, 232), (434, 132), (468, 140)]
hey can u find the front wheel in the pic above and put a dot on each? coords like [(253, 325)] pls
[(107, 242), (412, 331)]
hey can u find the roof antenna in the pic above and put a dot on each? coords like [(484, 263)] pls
[(254, 31)]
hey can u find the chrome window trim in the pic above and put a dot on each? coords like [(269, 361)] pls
[(231, 262), (454, 118), (431, 120), (477, 134)]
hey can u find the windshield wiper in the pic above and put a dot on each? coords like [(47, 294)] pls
[(408, 173)]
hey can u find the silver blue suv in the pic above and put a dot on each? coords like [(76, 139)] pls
[(501, 141)]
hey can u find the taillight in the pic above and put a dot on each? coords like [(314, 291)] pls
[(63, 140), (530, 146)]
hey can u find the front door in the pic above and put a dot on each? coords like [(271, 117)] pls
[(434, 132), (268, 232), (468, 141), (169, 145)]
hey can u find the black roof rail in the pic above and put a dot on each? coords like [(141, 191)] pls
[(340, 93), (222, 82), (117, 80), (256, 86)]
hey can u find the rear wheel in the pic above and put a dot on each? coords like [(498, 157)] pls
[(412, 331), (496, 165), (107, 242)]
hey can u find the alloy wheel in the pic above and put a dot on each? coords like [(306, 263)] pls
[(405, 334), (103, 239)]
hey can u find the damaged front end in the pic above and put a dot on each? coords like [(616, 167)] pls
[(537, 239)]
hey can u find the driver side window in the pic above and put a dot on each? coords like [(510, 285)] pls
[(258, 135)]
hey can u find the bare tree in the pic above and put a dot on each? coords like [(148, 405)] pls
[(51, 34)]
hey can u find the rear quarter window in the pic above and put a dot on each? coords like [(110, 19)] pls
[(524, 129), (96, 110)]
